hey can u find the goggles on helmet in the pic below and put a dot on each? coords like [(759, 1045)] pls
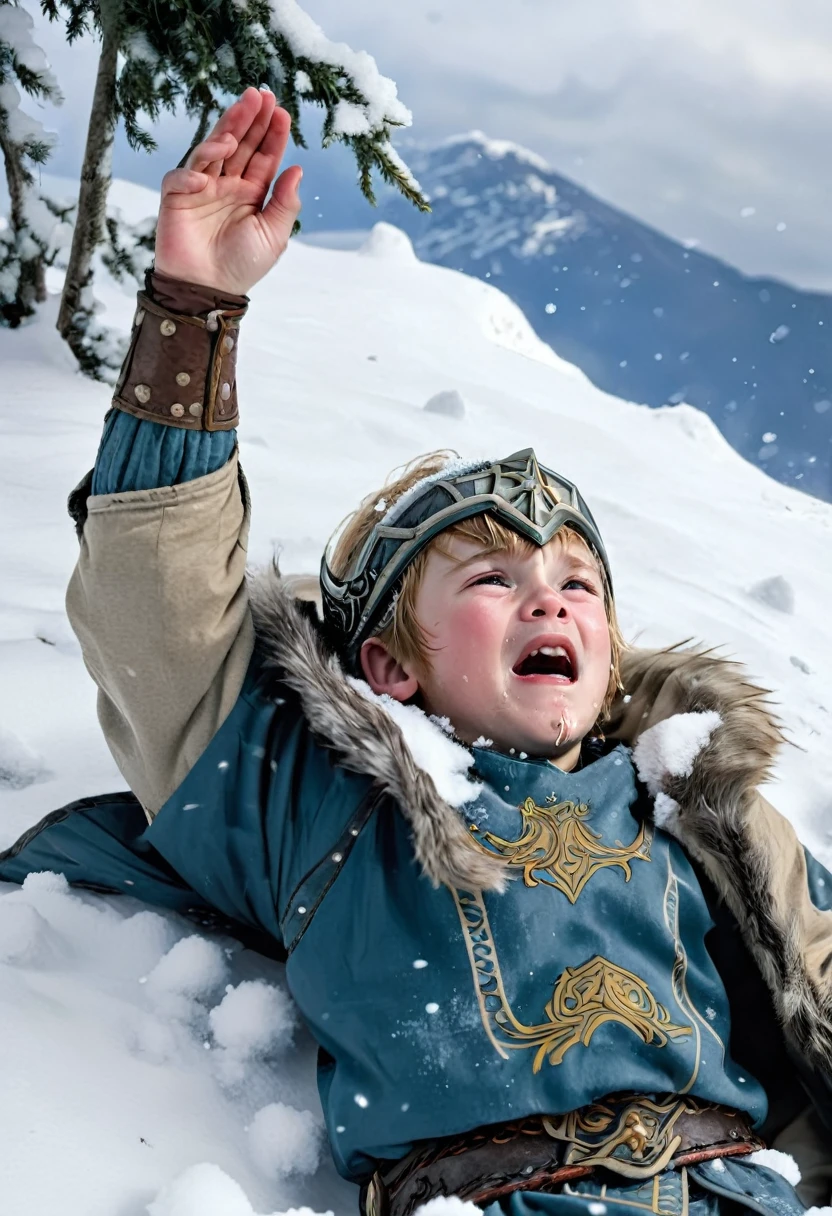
[(532, 500)]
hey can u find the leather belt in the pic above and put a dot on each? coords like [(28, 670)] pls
[(626, 1135)]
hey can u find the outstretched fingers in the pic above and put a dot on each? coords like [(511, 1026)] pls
[(212, 155), (183, 182), (209, 156), (283, 207), (266, 157), (251, 138)]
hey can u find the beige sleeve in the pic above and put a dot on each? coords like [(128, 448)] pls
[(158, 601), (777, 848)]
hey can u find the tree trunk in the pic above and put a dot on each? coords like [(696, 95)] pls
[(31, 285), (201, 132), (92, 201)]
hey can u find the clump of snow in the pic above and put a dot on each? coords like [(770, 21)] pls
[(138, 47), (193, 969), (670, 748), (253, 1019), (45, 882), (449, 402), (24, 933), (445, 724), (350, 119), (800, 664), (285, 1141), (781, 1163), (666, 812), (448, 1206), (388, 242), (20, 764), (775, 592), (205, 1190), (445, 761)]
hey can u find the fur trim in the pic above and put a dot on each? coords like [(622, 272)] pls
[(751, 856), (364, 736), (741, 751)]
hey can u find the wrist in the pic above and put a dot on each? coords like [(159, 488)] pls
[(180, 369), (190, 299)]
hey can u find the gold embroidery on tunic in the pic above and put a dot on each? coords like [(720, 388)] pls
[(584, 999), (557, 848), (680, 973)]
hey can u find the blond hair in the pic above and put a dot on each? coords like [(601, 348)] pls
[(403, 636)]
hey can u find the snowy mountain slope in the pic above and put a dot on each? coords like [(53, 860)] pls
[(120, 1078), (646, 317)]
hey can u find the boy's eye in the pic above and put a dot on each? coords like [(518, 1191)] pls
[(494, 579), (583, 583)]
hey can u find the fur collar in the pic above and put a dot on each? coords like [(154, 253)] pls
[(658, 685)]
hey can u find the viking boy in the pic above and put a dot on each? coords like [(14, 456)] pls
[(555, 947)]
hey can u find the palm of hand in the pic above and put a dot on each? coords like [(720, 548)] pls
[(219, 236), (213, 226)]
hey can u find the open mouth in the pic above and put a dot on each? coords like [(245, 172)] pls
[(553, 661)]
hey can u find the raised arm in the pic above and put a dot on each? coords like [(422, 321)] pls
[(158, 598)]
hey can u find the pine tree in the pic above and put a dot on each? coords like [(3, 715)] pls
[(25, 244), (195, 54)]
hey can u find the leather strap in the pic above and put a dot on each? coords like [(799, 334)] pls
[(642, 1138), (180, 368)]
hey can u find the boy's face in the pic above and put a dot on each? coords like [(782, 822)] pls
[(485, 616)]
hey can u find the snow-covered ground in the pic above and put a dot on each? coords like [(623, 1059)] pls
[(148, 1069)]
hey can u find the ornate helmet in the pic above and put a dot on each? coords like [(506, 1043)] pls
[(533, 500)]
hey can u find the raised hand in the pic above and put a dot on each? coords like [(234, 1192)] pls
[(213, 226)]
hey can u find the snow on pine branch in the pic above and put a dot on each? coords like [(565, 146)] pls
[(29, 61), (27, 240), (307, 40), (362, 106)]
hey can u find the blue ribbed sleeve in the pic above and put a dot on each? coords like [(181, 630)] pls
[(136, 454)]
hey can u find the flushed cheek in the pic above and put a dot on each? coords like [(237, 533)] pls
[(596, 644), (471, 648)]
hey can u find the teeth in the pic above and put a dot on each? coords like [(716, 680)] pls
[(554, 652), (533, 653)]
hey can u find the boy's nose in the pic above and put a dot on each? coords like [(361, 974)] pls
[(547, 602)]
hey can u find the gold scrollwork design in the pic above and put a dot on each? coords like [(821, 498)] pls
[(584, 999), (636, 1138), (558, 849)]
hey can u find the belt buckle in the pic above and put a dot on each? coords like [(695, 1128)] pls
[(634, 1138)]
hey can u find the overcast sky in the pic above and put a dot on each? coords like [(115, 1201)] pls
[(687, 113)]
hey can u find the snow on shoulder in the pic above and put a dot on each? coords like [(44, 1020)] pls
[(670, 748), (390, 243), (445, 761)]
